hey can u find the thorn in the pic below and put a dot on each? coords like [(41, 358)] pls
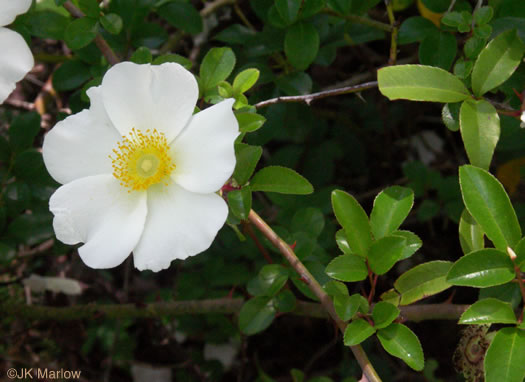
[(304, 279), (293, 245), (230, 293), (518, 94)]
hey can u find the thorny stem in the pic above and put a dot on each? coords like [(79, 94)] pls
[(309, 98), (99, 40), (360, 20), (315, 287)]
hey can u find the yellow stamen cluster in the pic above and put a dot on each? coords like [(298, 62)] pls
[(142, 159)]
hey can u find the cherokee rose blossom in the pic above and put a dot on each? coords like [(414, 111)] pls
[(139, 171), (16, 58)]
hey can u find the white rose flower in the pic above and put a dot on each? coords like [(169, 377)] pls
[(140, 172), (16, 59), (522, 124)]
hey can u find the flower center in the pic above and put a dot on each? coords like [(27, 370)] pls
[(142, 159)]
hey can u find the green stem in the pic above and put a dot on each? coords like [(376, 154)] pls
[(360, 20)]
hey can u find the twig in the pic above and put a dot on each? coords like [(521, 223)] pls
[(214, 5), (99, 40), (309, 98), (393, 40), (360, 20), (315, 287)]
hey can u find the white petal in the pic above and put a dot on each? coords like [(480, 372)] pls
[(145, 97), (16, 60), (80, 145), (179, 224), (9, 9), (99, 212), (203, 153)]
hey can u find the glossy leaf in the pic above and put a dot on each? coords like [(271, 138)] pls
[(520, 254), (347, 268), (480, 130), (401, 342), (182, 15), (23, 131), (422, 281), (471, 235), (383, 314), (489, 204), (505, 357), (412, 243), (342, 242), (354, 221), (438, 49), (216, 66), (249, 122), (288, 9), (450, 116), (245, 80), (385, 252), (496, 62), (247, 159), (281, 180), (421, 83), (357, 331), (301, 45), (309, 220), (391, 207), (488, 311), (481, 269), (347, 306), (240, 202), (80, 32), (256, 315)]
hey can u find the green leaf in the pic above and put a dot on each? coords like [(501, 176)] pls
[(249, 122), (301, 45), (47, 24), (422, 281), (450, 115), (421, 83), (182, 15), (272, 278), (31, 229), (488, 311), (483, 15), (438, 49), (23, 131), (142, 56), (496, 62), (80, 32), (216, 66), (414, 29), (471, 235), (71, 75), (240, 202), (281, 180), (245, 80), (29, 167), (357, 331), (488, 203), (288, 9), (112, 23), (347, 306), (479, 124), (256, 315), (383, 314), (90, 8), (385, 252), (391, 296), (309, 220), (285, 301), (311, 7), (342, 242), (348, 268), (247, 159), (354, 221), (481, 269), (412, 243), (391, 207), (401, 342), (505, 357)]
